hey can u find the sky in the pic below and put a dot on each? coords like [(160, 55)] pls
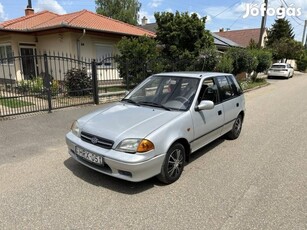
[(227, 14)]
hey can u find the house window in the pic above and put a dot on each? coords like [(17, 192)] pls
[(104, 53), (6, 54)]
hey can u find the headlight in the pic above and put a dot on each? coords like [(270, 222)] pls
[(75, 128), (135, 145)]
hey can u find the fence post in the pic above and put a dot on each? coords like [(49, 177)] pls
[(95, 82), (47, 83)]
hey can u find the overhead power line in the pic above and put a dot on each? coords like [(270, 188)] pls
[(284, 4), (295, 16), (226, 9), (240, 16)]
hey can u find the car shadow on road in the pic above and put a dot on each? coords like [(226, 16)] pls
[(98, 179), (202, 151), (277, 78), (126, 187)]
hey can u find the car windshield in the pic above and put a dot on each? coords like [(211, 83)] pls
[(165, 92)]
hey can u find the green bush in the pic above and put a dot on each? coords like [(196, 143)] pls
[(77, 82), (302, 64), (36, 85), (225, 64), (243, 60), (264, 60), (136, 56)]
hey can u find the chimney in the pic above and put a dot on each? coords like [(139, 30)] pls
[(144, 21), (222, 30), (29, 10)]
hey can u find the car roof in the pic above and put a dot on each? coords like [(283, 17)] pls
[(191, 74)]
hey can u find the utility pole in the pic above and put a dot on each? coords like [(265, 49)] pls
[(263, 23), (304, 33)]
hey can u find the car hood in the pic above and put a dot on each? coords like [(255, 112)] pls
[(123, 120)]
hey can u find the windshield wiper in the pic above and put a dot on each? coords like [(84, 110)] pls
[(154, 105), (130, 101)]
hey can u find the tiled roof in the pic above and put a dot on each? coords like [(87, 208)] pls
[(241, 37), (150, 26), (81, 20), (218, 40)]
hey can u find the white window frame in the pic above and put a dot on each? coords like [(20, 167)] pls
[(7, 62)]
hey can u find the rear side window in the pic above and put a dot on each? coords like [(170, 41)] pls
[(226, 91), (235, 85), (279, 66)]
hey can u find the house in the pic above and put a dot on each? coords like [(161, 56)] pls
[(79, 34), (221, 43), (243, 37)]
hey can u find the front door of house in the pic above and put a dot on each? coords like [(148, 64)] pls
[(28, 59)]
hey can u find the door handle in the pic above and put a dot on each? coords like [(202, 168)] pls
[(219, 112)]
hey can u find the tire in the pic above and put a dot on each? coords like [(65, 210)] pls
[(234, 133), (173, 164), (288, 76)]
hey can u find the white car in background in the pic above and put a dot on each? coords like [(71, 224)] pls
[(281, 70)]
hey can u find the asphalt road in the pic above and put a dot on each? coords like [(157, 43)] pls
[(258, 181)]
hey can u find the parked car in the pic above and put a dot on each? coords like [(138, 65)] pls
[(281, 70), (156, 127)]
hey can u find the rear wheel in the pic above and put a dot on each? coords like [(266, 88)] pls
[(173, 164), (234, 133)]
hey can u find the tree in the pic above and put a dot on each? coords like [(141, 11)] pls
[(280, 29), (243, 60), (210, 58), (302, 62), (123, 10), (287, 48), (225, 64), (264, 59), (253, 44), (136, 58), (182, 36)]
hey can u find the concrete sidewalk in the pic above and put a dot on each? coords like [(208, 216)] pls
[(33, 134)]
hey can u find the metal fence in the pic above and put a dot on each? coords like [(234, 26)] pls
[(44, 82), (39, 82)]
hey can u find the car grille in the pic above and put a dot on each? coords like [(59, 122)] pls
[(101, 142)]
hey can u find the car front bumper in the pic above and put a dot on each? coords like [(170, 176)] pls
[(130, 167)]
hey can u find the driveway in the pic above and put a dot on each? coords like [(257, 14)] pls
[(258, 181)]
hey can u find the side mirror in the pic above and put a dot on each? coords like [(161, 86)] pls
[(205, 105)]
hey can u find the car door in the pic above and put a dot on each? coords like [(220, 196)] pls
[(207, 124), (230, 96)]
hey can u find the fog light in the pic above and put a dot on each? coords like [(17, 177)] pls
[(125, 173)]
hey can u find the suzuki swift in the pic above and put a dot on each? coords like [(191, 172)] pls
[(155, 128)]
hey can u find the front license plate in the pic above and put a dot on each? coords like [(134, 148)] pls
[(92, 157)]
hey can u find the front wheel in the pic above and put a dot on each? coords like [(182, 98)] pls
[(173, 164), (234, 133)]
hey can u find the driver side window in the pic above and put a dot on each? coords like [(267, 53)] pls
[(208, 91)]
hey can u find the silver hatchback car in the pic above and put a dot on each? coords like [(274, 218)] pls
[(156, 127)]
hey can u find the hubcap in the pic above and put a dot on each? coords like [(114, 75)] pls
[(175, 163)]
